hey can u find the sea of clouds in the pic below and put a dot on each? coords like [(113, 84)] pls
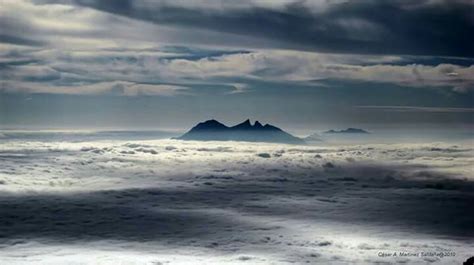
[(105, 201)]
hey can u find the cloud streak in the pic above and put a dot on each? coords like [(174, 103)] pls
[(418, 109), (81, 69), (117, 88)]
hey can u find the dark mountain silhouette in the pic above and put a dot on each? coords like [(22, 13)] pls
[(213, 130), (348, 130)]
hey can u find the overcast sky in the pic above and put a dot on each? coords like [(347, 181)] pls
[(169, 64)]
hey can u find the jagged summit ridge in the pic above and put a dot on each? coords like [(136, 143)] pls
[(213, 130), (244, 125)]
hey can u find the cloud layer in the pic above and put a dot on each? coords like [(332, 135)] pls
[(161, 47), (149, 201), (156, 70)]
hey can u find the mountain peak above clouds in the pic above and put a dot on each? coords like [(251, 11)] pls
[(212, 130)]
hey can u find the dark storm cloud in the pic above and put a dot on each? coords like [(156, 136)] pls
[(370, 27), (191, 43)]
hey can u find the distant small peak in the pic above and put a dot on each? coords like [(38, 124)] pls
[(349, 130), (257, 124)]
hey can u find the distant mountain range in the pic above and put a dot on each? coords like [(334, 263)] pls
[(349, 130), (313, 138), (213, 130)]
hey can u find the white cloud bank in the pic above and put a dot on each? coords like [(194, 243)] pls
[(119, 88), (60, 69), (160, 201)]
